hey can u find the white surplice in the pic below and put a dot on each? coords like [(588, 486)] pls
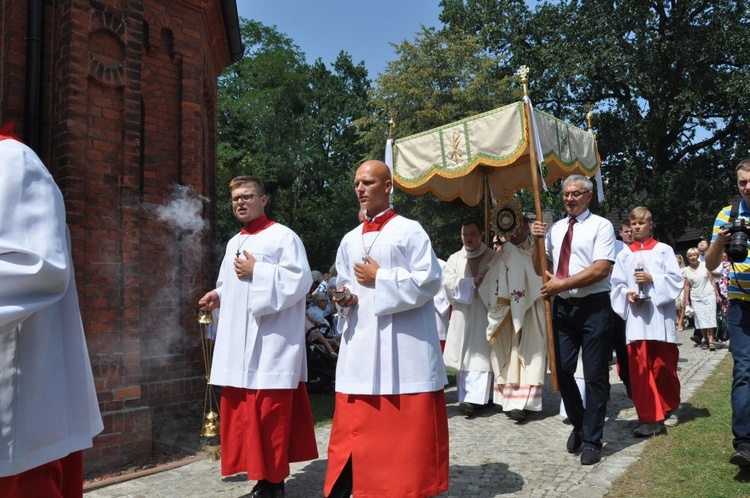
[(466, 348), (49, 407), (389, 342), (260, 341), (442, 309), (656, 319)]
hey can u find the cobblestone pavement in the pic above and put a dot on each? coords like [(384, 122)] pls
[(490, 455)]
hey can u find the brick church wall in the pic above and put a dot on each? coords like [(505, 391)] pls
[(128, 123)]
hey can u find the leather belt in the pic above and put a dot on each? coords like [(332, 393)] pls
[(577, 301)]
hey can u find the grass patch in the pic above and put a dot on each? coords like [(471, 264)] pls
[(693, 459)]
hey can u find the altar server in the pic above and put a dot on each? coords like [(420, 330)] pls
[(259, 356), (390, 428), (49, 412), (646, 280)]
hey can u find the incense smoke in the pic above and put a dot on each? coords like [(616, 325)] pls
[(183, 243)]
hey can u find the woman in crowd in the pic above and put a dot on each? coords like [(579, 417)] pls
[(680, 301), (722, 277), (702, 294)]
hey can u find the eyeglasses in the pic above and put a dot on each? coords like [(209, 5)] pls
[(576, 194), (244, 197)]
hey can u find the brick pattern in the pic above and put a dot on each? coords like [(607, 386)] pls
[(129, 113)]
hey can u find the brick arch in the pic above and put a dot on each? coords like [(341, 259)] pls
[(154, 29), (105, 19), (107, 57)]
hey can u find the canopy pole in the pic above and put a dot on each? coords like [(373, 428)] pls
[(487, 201), (541, 250)]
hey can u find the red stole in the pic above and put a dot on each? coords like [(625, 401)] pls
[(378, 222), (257, 225), (649, 244)]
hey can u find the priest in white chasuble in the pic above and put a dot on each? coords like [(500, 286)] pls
[(516, 326)]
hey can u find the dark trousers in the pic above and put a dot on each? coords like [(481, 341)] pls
[(620, 345), (584, 324), (738, 320)]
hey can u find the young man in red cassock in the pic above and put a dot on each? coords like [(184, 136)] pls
[(259, 356), (390, 427), (646, 280)]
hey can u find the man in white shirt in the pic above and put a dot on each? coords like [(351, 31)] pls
[(580, 251)]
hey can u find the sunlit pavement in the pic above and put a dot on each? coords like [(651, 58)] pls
[(491, 455)]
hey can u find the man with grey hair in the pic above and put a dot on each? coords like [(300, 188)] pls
[(580, 251), (702, 248)]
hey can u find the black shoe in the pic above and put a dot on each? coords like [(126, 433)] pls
[(518, 415), (590, 455), (697, 339), (741, 457), (575, 441), (267, 489), (467, 408)]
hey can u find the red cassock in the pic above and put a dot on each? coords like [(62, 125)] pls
[(402, 440), (653, 375), (60, 478), (263, 430)]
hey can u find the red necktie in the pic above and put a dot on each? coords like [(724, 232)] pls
[(562, 266)]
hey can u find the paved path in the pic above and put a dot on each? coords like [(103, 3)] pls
[(490, 455)]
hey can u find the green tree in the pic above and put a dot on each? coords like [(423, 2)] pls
[(290, 124), (669, 81), (325, 206), (440, 77), (261, 109)]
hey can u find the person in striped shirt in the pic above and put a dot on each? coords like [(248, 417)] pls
[(738, 315)]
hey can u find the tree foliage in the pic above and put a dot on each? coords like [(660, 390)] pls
[(668, 79), (290, 124)]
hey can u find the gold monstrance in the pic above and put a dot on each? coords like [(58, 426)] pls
[(210, 427)]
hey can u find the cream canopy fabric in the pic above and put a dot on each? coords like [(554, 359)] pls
[(452, 160)]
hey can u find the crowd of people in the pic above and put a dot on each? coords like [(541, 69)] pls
[(395, 319)]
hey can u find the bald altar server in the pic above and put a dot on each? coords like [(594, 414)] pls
[(259, 356), (390, 428), (650, 324), (467, 351), (49, 412), (516, 330)]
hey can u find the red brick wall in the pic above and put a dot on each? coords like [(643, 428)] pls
[(129, 114), (12, 61)]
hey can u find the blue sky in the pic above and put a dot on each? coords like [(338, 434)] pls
[(363, 28)]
